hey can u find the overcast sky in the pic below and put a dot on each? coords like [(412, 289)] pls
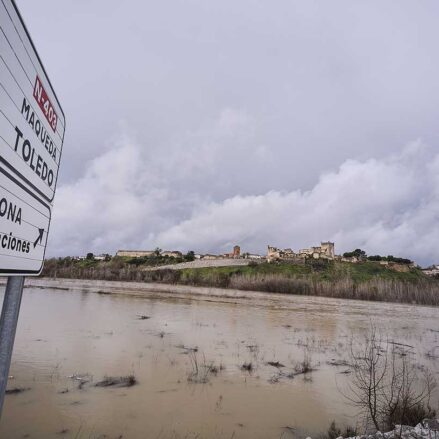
[(200, 124)]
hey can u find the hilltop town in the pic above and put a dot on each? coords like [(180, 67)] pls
[(324, 251), (162, 259)]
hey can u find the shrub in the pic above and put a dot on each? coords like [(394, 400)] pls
[(357, 253), (386, 385)]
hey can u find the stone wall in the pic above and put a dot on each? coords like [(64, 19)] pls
[(134, 253)]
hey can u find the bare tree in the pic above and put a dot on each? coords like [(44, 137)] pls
[(386, 385), (407, 398)]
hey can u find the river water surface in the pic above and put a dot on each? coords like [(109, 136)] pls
[(84, 331)]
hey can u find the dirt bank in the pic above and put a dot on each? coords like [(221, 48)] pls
[(204, 294)]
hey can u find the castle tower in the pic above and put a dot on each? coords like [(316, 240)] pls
[(236, 251), (328, 249)]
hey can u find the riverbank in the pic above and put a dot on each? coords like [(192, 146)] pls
[(246, 298), (427, 429), (363, 281)]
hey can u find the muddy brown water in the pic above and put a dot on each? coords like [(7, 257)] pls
[(65, 334)]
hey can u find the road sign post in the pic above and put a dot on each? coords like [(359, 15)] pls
[(8, 326), (32, 126)]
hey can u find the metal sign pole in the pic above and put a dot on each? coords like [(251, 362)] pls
[(28, 170), (8, 326)]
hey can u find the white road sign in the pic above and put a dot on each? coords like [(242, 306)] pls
[(32, 126)]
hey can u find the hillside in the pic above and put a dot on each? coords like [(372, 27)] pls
[(363, 281)]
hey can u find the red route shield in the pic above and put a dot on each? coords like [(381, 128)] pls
[(44, 103)]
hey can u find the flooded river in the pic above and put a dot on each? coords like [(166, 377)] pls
[(71, 338)]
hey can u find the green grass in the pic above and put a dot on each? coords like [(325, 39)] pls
[(86, 263), (330, 271), (366, 271), (265, 268)]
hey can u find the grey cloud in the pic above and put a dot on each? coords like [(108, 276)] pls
[(230, 100), (387, 205), (325, 81)]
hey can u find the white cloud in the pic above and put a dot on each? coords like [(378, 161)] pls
[(129, 197), (388, 206)]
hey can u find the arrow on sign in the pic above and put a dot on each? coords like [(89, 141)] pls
[(40, 237)]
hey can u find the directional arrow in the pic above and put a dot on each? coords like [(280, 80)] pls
[(40, 237)]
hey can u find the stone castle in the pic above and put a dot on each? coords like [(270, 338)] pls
[(325, 250)]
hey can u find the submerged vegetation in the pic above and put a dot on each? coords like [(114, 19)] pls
[(16, 390), (367, 280), (200, 370), (122, 381)]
